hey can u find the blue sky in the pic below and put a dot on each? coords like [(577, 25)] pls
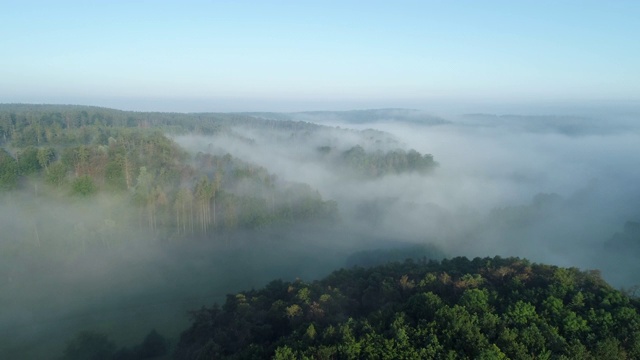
[(297, 55)]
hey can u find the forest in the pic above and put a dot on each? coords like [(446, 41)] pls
[(83, 152), (485, 308), (117, 224)]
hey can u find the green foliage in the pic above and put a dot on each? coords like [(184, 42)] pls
[(284, 353), (28, 161), (45, 157), (57, 174), (379, 163), (456, 308), (8, 171), (83, 186)]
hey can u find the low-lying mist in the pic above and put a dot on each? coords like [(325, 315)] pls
[(550, 188)]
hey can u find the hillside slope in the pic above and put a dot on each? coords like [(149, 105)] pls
[(485, 308)]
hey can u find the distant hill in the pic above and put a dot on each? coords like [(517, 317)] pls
[(358, 116), (490, 308), (561, 124)]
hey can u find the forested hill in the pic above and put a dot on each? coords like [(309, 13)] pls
[(84, 151), (27, 124), (485, 308), (52, 128), (409, 116)]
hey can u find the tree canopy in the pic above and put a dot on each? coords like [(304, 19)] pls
[(485, 308)]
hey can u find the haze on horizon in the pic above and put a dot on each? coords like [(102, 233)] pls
[(201, 56)]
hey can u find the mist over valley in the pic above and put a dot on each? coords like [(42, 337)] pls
[(121, 222)]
